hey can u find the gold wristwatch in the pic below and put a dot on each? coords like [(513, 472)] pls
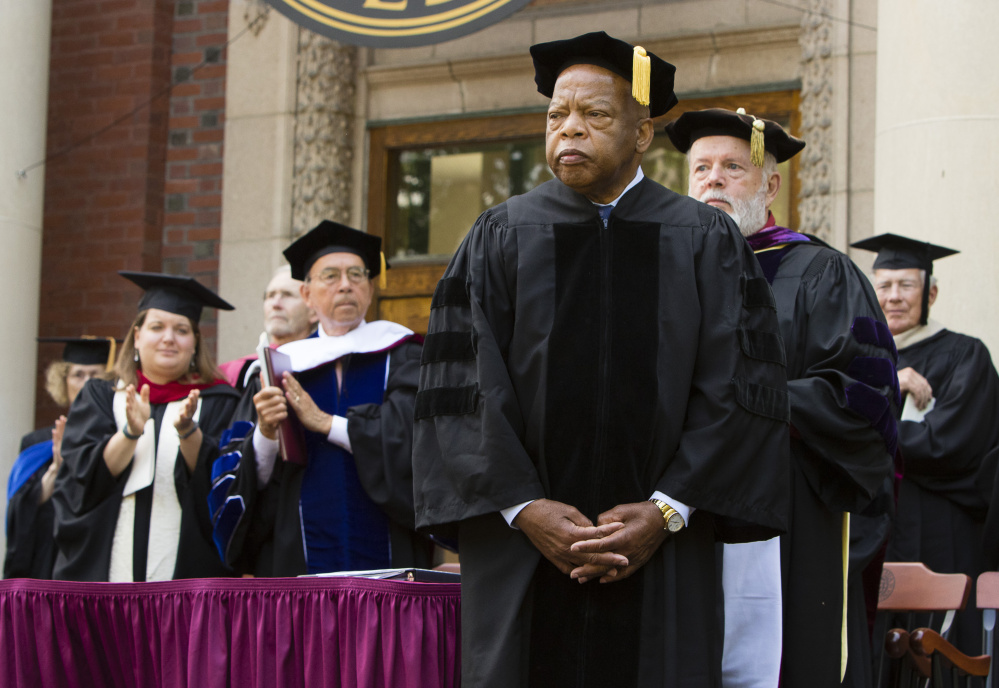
[(673, 521)]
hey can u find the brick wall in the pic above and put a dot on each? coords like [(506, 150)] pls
[(146, 193), (192, 224)]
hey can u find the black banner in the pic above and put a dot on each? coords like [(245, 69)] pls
[(396, 23)]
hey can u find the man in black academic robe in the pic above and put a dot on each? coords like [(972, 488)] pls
[(843, 391), (948, 425), (348, 504), (593, 343)]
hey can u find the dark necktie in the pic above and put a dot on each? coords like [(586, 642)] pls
[(605, 211)]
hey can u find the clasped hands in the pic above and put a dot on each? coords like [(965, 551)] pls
[(622, 541), (272, 408)]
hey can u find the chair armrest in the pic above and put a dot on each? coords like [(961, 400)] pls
[(926, 641)]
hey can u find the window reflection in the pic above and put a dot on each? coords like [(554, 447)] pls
[(439, 192)]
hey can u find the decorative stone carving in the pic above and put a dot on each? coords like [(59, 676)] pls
[(324, 118), (255, 15), (816, 173)]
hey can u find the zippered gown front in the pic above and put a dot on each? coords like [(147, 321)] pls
[(594, 365)]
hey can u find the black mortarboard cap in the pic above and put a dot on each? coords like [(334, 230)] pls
[(900, 253), (180, 295), (617, 56), (333, 237), (85, 350), (690, 126)]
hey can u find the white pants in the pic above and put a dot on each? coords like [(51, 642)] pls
[(753, 617)]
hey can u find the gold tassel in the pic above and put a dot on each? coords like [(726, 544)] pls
[(641, 75), (756, 147), (382, 279), (111, 354)]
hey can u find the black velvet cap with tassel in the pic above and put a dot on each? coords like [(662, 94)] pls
[(762, 134), (86, 350), (651, 77), (333, 237)]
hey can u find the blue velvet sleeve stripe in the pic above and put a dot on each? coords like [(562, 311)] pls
[(756, 293), (875, 333), (225, 463), (225, 524), (448, 346), (876, 372), (869, 404), (447, 401), (763, 346), (25, 465), (451, 291), (218, 494), (239, 430)]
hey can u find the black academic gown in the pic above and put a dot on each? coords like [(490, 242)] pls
[(268, 540), (87, 497), (594, 365), (843, 389), (31, 548), (940, 509)]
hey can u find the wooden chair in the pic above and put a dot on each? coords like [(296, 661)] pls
[(987, 594), (942, 655), (911, 588)]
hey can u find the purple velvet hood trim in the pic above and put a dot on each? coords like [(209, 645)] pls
[(773, 235)]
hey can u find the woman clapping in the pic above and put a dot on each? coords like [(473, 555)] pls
[(131, 500)]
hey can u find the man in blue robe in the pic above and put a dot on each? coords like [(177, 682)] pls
[(348, 503)]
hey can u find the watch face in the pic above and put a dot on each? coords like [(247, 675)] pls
[(675, 523)]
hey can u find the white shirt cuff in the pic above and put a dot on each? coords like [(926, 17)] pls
[(681, 508), (265, 450), (338, 433), (511, 512)]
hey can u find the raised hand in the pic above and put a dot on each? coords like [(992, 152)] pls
[(137, 409), (48, 478), (186, 416), (272, 408), (311, 416)]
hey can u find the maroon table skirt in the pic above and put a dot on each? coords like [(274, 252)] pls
[(230, 632)]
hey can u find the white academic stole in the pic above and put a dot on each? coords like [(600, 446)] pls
[(164, 521)]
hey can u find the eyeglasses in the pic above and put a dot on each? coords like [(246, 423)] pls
[(83, 375), (331, 276)]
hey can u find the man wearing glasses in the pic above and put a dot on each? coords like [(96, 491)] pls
[(349, 505)]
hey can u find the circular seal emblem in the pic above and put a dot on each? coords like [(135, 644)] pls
[(396, 23), (887, 586)]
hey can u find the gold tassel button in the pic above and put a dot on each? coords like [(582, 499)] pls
[(382, 279), (756, 147), (641, 75)]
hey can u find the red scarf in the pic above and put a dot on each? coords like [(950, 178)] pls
[(171, 391)]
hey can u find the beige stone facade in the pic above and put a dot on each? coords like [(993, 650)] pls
[(25, 28), (831, 52)]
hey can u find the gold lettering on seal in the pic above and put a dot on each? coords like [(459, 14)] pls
[(385, 4)]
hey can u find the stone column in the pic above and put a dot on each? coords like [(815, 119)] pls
[(257, 167), (25, 31), (937, 131)]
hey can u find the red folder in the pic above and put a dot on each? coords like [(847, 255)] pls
[(291, 434)]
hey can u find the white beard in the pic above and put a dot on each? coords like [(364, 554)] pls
[(750, 215)]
